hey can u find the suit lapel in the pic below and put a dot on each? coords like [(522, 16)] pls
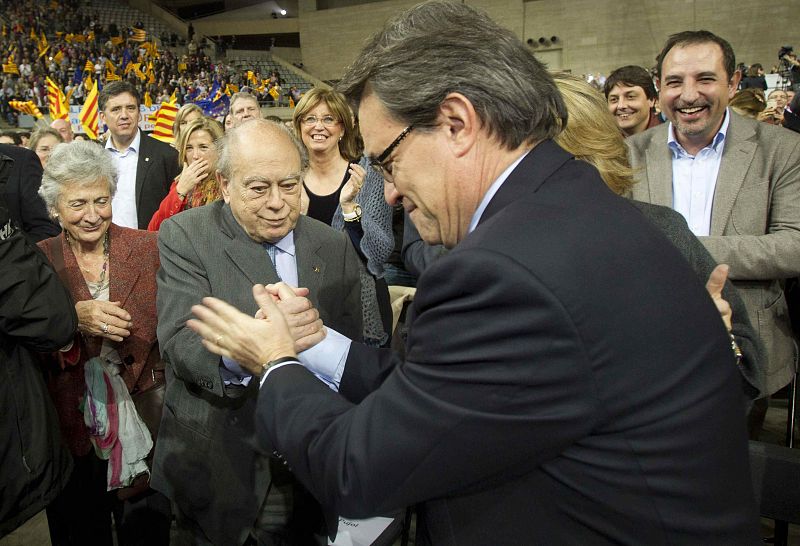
[(659, 168), (119, 256), (310, 263), (740, 148), (246, 254), (145, 159)]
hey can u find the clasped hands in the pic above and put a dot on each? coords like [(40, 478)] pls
[(286, 323)]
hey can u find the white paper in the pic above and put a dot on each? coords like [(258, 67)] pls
[(359, 532)]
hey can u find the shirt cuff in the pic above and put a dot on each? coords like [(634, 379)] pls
[(232, 373), (326, 359)]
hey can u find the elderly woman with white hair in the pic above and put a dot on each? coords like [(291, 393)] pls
[(113, 367)]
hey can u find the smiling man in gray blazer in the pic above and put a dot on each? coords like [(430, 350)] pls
[(735, 180), (206, 461)]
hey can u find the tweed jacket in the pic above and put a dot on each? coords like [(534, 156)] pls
[(755, 222)]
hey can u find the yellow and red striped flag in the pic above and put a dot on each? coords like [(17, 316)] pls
[(89, 66), (111, 77), (138, 35), (28, 107), (148, 102), (116, 40), (56, 101), (89, 114), (165, 119), (58, 57)]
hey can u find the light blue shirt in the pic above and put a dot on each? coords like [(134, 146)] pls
[(327, 358), (694, 179), (124, 202)]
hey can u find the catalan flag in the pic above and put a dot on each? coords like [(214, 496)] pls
[(148, 102), (116, 40), (138, 35), (5, 30), (42, 42), (56, 101), (111, 77), (33, 35), (28, 107), (132, 66), (89, 66), (58, 57), (11, 67), (151, 73), (89, 114), (251, 77), (165, 119), (182, 67)]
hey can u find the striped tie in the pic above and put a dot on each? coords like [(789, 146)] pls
[(272, 250)]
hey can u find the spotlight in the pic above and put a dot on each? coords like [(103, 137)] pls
[(283, 12)]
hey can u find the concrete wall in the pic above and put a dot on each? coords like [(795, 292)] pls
[(594, 35), (600, 35)]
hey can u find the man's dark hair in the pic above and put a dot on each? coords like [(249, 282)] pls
[(13, 135), (753, 70), (632, 76), (439, 47), (695, 37), (113, 89)]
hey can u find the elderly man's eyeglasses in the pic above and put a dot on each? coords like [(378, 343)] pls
[(327, 121), (378, 162)]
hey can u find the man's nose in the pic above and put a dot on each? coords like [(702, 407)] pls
[(390, 194)]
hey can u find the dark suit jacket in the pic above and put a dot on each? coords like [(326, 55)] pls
[(567, 381), (132, 262), (156, 169), (206, 460), (24, 171), (673, 225)]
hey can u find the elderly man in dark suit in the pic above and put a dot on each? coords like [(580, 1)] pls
[(146, 166), (206, 460), (567, 378), (735, 180)]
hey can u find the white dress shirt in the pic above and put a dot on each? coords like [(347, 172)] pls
[(694, 179), (124, 202)]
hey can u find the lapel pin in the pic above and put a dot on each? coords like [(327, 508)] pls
[(316, 269)]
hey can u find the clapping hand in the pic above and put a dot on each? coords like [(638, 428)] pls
[(714, 286), (353, 186), (249, 341)]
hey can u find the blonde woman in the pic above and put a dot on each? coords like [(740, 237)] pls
[(196, 185)]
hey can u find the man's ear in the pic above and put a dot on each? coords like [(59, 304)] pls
[(457, 116), (733, 85), (224, 186)]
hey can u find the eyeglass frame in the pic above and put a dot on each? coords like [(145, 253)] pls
[(304, 121), (377, 163)]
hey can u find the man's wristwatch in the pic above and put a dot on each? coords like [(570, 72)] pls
[(737, 352), (277, 361), (354, 216)]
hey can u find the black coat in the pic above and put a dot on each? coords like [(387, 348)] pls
[(36, 314), (23, 171)]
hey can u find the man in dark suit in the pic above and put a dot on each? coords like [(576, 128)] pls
[(567, 378), (23, 172), (206, 460), (146, 166)]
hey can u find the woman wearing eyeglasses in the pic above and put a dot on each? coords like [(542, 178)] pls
[(345, 193)]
